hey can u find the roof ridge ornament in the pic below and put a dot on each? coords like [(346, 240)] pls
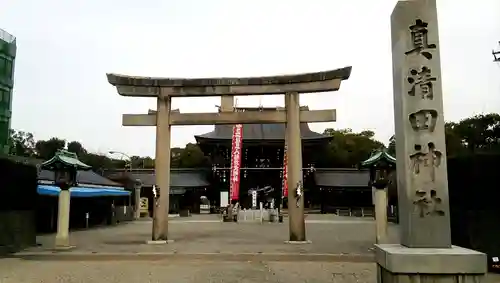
[(377, 156)]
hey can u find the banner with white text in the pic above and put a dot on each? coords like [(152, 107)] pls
[(285, 172), (237, 142)]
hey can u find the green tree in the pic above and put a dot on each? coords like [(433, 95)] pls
[(148, 162), (46, 149), (476, 134), (77, 148), (479, 133), (98, 162), (101, 162), (21, 144), (454, 144), (136, 162), (192, 157), (175, 156), (348, 149)]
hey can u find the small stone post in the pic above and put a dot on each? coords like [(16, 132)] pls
[(381, 215), (62, 236), (425, 253)]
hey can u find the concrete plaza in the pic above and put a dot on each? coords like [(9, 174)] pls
[(206, 250), (207, 234)]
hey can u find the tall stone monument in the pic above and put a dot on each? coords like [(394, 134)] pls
[(426, 253)]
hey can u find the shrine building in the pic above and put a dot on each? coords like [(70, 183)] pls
[(326, 189)]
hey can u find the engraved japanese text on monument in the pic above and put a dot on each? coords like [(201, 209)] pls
[(426, 159), (421, 82), (424, 163), (427, 203), (423, 120), (421, 78), (419, 38)]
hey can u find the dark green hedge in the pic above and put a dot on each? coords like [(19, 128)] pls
[(474, 191), (18, 198), (19, 183)]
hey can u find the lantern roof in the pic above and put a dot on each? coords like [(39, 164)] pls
[(62, 159), (377, 157)]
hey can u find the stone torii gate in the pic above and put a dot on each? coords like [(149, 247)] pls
[(163, 89)]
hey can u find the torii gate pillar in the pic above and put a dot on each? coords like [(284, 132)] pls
[(162, 167), (294, 170)]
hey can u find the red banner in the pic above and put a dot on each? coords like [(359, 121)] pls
[(236, 162), (285, 172)]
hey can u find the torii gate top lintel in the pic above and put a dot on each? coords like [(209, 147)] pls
[(184, 87)]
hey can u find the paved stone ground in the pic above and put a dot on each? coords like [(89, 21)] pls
[(18, 271), (206, 234), (206, 250)]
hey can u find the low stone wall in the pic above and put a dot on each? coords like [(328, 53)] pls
[(254, 215), (124, 213)]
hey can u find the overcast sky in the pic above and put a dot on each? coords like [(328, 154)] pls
[(65, 48)]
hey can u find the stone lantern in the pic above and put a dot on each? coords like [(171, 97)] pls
[(65, 166), (381, 164)]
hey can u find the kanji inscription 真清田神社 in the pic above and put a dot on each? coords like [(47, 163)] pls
[(423, 121), (427, 203), (421, 82), (419, 40)]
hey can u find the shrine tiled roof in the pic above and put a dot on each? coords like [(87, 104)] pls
[(82, 177), (178, 178), (257, 132), (379, 156)]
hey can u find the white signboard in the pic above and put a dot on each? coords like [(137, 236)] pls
[(144, 205), (224, 199)]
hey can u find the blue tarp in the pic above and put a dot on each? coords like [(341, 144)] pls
[(82, 192)]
